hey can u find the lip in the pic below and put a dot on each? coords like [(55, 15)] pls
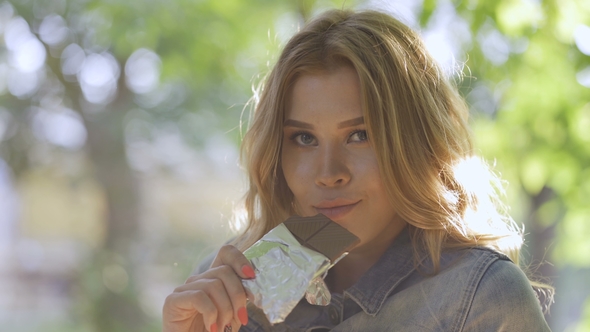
[(336, 209)]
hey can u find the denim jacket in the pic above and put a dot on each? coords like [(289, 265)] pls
[(477, 289)]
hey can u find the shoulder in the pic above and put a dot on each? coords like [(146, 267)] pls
[(498, 295), (471, 258), (491, 274), (505, 278)]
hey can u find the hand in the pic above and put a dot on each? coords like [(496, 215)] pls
[(211, 300)]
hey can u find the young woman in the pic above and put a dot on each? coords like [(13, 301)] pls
[(356, 121)]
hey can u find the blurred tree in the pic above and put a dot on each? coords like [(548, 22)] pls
[(104, 78)]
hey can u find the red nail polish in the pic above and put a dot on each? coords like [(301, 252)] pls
[(243, 315), (248, 271), (213, 327)]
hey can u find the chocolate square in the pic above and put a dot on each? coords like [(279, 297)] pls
[(321, 234)]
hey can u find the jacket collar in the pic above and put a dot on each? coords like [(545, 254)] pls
[(395, 265)]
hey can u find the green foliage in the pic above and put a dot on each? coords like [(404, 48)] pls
[(584, 325), (215, 48), (428, 7), (539, 133)]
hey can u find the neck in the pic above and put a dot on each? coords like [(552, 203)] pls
[(347, 272), (352, 267)]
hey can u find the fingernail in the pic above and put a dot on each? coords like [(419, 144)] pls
[(227, 328), (213, 327), (248, 271), (243, 315)]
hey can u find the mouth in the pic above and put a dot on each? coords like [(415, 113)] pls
[(335, 209)]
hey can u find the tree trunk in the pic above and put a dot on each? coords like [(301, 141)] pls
[(114, 308), (540, 239)]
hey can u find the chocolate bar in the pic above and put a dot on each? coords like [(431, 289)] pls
[(291, 261), (321, 234)]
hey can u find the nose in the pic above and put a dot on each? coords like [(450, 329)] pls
[(332, 167)]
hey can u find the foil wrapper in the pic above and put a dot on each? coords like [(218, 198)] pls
[(318, 293), (285, 272)]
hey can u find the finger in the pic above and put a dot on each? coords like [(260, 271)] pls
[(217, 291), (188, 305), (230, 255), (237, 294), (232, 327), (232, 286)]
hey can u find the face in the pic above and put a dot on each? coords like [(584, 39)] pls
[(328, 161)]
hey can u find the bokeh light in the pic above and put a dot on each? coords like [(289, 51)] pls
[(583, 77), (98, 77), (53, 30), (63, 128), (142, 71), (72, 58), (494, 45), (582, 38), (23, 84)]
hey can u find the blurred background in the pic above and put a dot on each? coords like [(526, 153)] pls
[(120, 123)]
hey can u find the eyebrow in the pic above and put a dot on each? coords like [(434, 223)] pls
[(344, 124), (352, 122)]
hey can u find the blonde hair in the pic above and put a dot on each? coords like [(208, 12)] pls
[(416, 121)]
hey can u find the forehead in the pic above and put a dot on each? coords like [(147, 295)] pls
[(331, 92)]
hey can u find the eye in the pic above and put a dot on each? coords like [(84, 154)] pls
[(358, 136), (303, 138)]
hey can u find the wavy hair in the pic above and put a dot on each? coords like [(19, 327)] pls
[(417, 124)]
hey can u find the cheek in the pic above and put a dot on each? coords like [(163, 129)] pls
[(370, 184), (297, 173), (366, 169)]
